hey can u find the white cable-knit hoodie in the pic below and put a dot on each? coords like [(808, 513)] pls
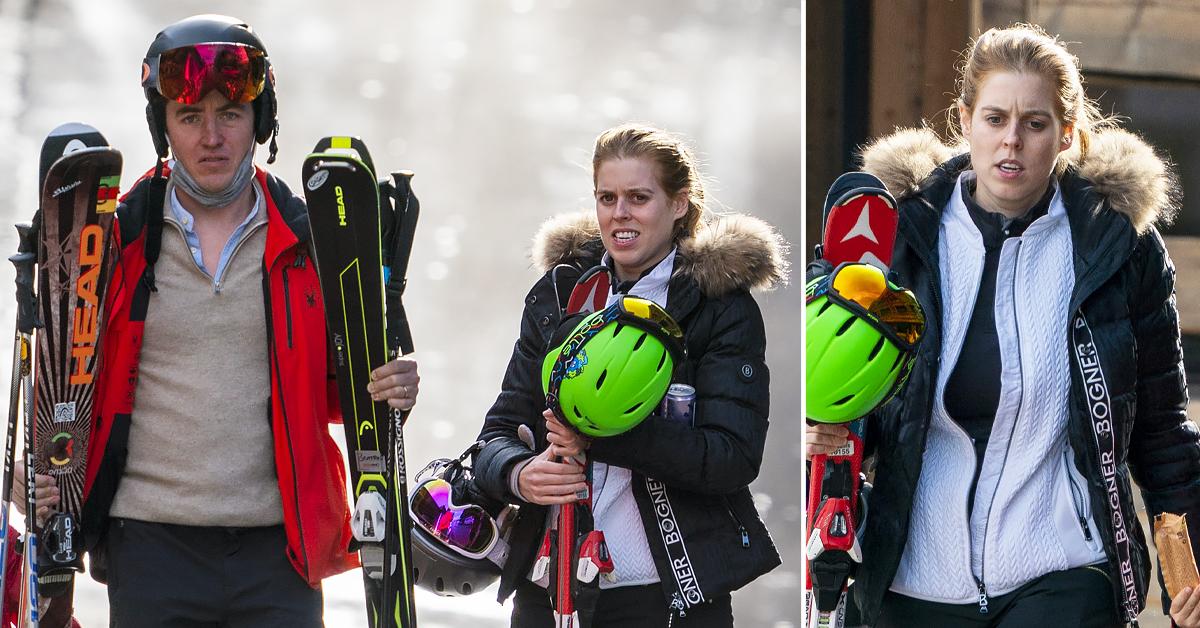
[(1030, 514)]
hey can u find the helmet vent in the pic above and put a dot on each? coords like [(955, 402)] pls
[(844, 400), (600, 380), (824, 306), (577, 412), (634, 408), (846, 326), (440, 585), (617, 329), (466, 589), (876, 349), (640, 341), (662, 359)]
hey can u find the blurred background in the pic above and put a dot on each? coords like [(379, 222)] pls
[(495, 106), (876, 65)]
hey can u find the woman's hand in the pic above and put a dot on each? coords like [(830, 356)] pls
[(1185, 608), (45, 490), (396, 382), (544, 481), (564, 441), (823, 438)]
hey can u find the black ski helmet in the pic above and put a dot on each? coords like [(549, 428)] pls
[(206, 29), (438, 568)]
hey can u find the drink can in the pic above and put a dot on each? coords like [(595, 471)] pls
[(680, 404)]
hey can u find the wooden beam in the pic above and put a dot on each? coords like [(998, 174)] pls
[(823, 120), (914, 50)]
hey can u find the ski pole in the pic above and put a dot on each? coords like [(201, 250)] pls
[(398, 600), (25, 322)]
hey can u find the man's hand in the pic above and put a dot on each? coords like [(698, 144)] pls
[(397, 382), (45, 490)]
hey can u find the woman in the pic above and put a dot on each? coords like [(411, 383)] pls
[(649, 228), (1051, 369)]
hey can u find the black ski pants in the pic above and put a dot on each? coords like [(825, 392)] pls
[(1075, 598), (205, 577), (622, 607)]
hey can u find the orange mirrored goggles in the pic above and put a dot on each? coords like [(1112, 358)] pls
[(865, 290), (187, 74)]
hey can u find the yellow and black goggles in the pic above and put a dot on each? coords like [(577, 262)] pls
[(865, 290), (636, 312)]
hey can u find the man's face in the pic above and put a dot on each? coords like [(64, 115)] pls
[(210, 138)]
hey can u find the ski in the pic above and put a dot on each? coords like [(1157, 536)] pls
[(345, 217), (860, 220), (398, 213), (77, 184)]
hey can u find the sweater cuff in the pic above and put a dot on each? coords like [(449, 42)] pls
[(514, 475)]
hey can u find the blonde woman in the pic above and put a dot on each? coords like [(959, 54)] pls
[(672, 497), (1051, 373)]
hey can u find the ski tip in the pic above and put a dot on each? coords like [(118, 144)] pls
[(73, 128), (849, 182)]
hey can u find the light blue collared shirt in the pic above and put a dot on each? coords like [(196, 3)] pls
[(188, 222)]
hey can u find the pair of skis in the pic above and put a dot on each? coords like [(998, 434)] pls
[(859, 225), (68, 251), (362, 234), (573, 553)]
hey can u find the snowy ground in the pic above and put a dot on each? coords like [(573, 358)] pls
[(495, 106)]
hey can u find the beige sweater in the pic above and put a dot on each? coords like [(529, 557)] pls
[(200, 443)]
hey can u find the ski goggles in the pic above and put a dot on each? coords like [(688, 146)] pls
[(865, 290), (187, 74), (468, 530)]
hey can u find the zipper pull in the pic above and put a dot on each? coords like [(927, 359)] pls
[(677, 607), (745, 536), (1087, 534), (983, 598)]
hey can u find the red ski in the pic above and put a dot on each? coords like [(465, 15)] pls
[(860, 220)]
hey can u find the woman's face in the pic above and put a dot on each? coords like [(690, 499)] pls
[(1015, 137), (636, 216)]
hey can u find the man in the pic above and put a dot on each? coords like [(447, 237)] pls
[(215, 494)]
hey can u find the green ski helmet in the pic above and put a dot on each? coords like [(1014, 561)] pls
[(613, 368), (861, 333)]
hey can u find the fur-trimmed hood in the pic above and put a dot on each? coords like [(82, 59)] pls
[(730, 252), (1121, 166)]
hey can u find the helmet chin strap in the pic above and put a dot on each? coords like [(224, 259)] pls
[(182, 179)]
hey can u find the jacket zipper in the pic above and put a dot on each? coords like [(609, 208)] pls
[(287, 305), (237, 247), (287, 426), (1077, 498), (738, 522), (677, 609), (987, 521), (287, 298), (935, 292)]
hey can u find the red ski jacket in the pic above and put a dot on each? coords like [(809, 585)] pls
[(14, 581), (312, 478)]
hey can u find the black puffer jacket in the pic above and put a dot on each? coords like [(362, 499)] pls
[(690, 483), (1123, 321)]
